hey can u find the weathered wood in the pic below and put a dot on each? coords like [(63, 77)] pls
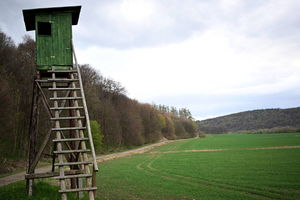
[(53, 157), (72, 151), (40, 152), (33, 130), (73, 133), (62, 89), (63, 80), (68, 128), (73, 163), (94, 183), (79, 189), (73, 176), (66, 98), (71, 139), (58, 144), (48, 135), (68, 118), (80, 185), (66, 108), (62, 71), (85, 111), (51, 174)]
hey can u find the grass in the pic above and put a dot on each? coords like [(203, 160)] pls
[(42, 191), (159, 174), (235, 174), (234, 141)]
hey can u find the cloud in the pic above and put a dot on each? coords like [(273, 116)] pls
[(230, 52), (204, 63)]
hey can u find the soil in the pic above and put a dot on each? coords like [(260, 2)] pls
[(21, 176)]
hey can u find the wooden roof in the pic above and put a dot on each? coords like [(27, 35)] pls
[(29, 14)]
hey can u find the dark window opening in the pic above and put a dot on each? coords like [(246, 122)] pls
[(44, 28)]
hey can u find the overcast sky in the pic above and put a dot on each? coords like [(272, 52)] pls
[(213, 57)]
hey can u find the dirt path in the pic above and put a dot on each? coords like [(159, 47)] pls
[(200, 150), (20, 176)]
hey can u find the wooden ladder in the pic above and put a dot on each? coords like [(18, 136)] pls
[(71, 151)]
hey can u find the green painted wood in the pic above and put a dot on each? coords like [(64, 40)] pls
[(43, 43), (54, 49), (62, 39)]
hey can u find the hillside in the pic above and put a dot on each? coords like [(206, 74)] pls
[(252, 120)]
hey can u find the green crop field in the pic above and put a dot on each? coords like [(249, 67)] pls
[(238, 172), (232, 166)]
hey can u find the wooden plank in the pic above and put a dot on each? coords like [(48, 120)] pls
[(68, 128), (73, 176), (62, 39), (79, 189), (68, 118), (73, 163), (70, 139), (63, 71), (72, 151), (43, 55), (63, 89), (66, 98), (62, 80), (51, 174), (66, 108)]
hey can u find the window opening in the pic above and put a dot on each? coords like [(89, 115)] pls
[(44, 28)]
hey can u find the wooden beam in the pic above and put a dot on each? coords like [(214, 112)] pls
[(86, 112), (51, 174), (33, 129), (48, 135)]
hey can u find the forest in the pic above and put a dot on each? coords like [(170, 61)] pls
[(255, 121), (117, 121)]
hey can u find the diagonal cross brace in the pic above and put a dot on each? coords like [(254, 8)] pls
[(48, 135)]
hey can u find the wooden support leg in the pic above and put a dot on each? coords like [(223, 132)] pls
[(33, 129), (94, 184), (80, 185)]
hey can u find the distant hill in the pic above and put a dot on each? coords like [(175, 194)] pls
[(252, 120)]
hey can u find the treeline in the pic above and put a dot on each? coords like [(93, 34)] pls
[(122, 121), (126, 122), (256, 121)]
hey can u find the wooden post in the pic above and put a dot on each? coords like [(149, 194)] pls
[(94, 184), (74, 181), (33, 130)]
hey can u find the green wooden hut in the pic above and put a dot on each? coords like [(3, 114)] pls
[(53, 31)]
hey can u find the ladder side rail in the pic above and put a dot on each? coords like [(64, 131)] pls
[(85, 111), (59, 144), (83, 148)]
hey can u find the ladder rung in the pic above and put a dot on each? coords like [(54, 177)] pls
[(74, 176), (65, 98), (72, 151), (78, 190), (62, 89), (68, 128), (63, 71), (70, 139), (42, 81), (62, 80), (66, 118), (66, 108), (73, 163)]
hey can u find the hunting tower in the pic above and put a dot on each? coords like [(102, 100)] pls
[(58, 83)]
